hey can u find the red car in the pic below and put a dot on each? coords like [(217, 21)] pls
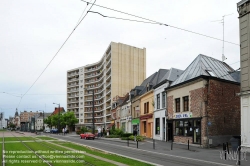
[(87, 135)]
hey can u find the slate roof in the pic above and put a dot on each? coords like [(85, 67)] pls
[(153, 80), (207, 66), (171, 75)]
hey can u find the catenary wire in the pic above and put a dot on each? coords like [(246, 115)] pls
[(55, 54), (161, 23)]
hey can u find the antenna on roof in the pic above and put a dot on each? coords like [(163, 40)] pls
[(222, 21)]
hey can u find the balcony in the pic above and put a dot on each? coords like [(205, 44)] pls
[(73, 74), (95, 68), (72, 85), (73, 101), (98, 73), (73, 80)]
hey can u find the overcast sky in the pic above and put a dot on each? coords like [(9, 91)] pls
[(31, 32)]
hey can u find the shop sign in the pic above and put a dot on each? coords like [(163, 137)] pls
[(182, 115), (135, 121)]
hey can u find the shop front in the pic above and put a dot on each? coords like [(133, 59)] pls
[(186, 128), (136, 125)]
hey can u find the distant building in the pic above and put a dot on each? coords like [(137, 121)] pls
[(39, 121), (27, 120), (121, 68)]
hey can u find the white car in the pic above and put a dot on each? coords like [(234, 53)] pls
[(47, 130)]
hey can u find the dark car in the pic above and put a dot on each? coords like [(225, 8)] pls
[(87, 135), (54, 131)]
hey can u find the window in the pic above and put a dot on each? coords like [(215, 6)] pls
[(185, 103), (184, 128), (157, 125), (211, 73), (158, 101), (177, 105), (146, 108), (163, 99), (145, 126)]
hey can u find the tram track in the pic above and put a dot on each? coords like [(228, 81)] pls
[(44, 160), (73, 157), (2, 157)]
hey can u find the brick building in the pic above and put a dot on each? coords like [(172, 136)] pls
[(202, 103)]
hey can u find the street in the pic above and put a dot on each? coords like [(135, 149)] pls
[(161, 155)]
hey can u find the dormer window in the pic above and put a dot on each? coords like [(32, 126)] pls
[(211, 73)]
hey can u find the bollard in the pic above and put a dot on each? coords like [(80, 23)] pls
[(172, 145), (227, 147), (239, 148), (137, 144), (224, 150), (153, 144), (188, 144)]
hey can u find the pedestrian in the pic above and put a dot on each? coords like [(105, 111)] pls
[(135, 133), (107, 131), (63, 131), (99, 132), (103, 132)]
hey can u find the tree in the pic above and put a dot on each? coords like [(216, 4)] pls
[(69, 119), (48, 121)]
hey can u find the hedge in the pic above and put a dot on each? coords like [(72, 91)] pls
[(126, 134)]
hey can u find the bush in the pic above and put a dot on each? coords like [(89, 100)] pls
[(84, 129), (116, 132), (138, 138), (78, 132), (113, 136), (126, 134)]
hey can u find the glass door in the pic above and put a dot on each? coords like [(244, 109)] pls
[(197, 132)]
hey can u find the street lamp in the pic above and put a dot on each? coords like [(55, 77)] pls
[(58, 117)]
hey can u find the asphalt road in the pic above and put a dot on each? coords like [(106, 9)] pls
[(161, 155)]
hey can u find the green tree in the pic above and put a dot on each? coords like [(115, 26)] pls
[(69, 119), (48, 121)]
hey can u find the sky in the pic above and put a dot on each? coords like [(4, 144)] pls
[(31, 33)]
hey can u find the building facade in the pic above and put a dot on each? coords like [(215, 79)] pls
[(202, 105), (244, 27), (121, 68), (159, 128)]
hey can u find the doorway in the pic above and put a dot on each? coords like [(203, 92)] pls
[(164, 129), (170, 131)]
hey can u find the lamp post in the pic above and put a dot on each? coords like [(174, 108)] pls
[(58, 117)]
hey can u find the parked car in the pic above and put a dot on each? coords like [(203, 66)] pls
[(87, 135), (47, 130), (54, 131)]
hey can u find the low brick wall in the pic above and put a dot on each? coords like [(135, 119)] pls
[(182, 139)]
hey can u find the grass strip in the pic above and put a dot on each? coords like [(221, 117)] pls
[(46, 138), (1, 150), (113, 157), (10, 139), (27, 138), (58, 153), (14, 156)]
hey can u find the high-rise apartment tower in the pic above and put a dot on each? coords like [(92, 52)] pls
[(121, 68)]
